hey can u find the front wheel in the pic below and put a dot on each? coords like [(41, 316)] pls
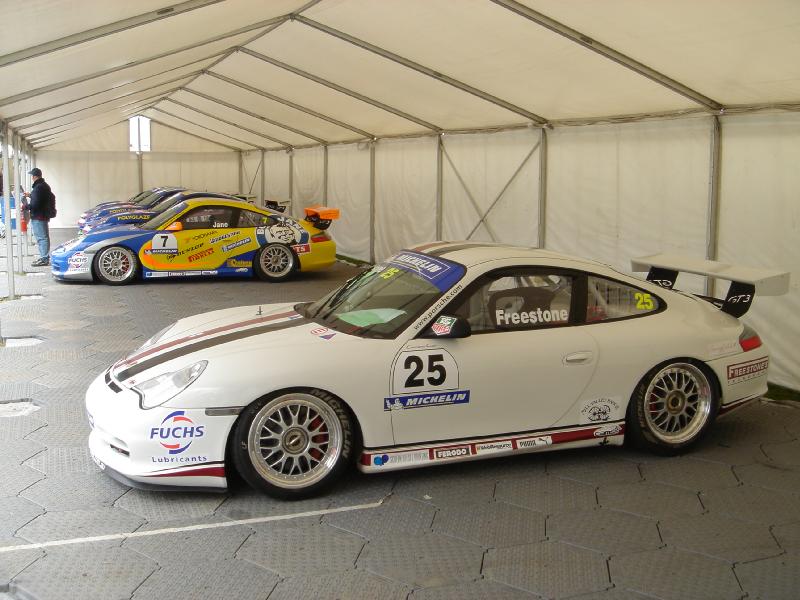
[(116, 265), (275, 262), (293, 445), (672, 408)]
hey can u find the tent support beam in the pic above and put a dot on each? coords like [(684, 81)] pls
[(464, 87), (712, 233), (263, 178), (62, 84), (169, 114), (252, 114), (5, 131), (542, 233), (481, 215), (289, 103), (439, 186), (291, 181), (341, 89), (18, 195), (240, 157), (54, 132), (231, 123), (205, 139), (609, 53), (372, 201), (325, 176), (103, 30), (147, 89), (140, 169)]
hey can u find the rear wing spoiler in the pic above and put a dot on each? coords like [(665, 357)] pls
[(663, 270), (321, 216)]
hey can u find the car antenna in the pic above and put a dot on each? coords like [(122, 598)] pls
[(258, 314)]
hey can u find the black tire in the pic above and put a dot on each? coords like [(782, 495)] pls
[(293, 444), (116, 265), (672, 407), (275, 262)]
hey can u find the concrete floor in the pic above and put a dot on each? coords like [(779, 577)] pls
[(612, 524)]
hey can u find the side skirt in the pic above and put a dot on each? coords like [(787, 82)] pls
[(392, 458)]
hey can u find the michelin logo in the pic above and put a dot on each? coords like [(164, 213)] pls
[(425, 400)]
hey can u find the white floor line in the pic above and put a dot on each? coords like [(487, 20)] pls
[(200, 527)]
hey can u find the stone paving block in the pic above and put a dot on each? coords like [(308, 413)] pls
[(422, 561), (247, 503), (15, 478), (397, 516), (649, 499), (607, 531), (86, 573), (9, 375), (492, 525), (65, 324), (442, 487), (14, 513), (477, 590), (358, 488), (203, 546), (596, 466), (727, 454), (166, 506), (549, 569), (755, 504), (191, 580), (748, 426), (63, 461), (16, 428), (784, 453), (720, 537), (774, 578), (13, 563), (70, 524), (692, 474), (315, 548), (72, 491), (547, 494), (788, 537), (53, 379), (612, 594), (770, 476), (62, 435), (679, 575), (352, 585), (15, 452)]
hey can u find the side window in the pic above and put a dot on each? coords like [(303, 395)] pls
[(248, 218), (609, 299), (527, 300), (208, 217)]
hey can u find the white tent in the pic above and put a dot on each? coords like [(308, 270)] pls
[(607, 129)]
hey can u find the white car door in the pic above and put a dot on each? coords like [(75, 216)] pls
[(524, 366)]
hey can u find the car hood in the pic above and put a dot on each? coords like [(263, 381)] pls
[(236, 330)]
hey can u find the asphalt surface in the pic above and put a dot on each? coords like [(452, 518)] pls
[(606, 523)]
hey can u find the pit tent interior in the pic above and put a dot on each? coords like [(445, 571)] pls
[(609, 129)]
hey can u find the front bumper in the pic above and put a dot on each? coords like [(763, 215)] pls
[(75, 266), (158, 448)]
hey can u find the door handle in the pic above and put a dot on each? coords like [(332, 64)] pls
[(578, 358)]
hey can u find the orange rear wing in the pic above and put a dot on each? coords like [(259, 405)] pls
[(321, 216)]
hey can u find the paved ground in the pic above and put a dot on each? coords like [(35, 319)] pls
[(611, 524)]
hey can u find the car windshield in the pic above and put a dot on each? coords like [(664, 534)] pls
[(384, 300), (165, 216), (145, 198)]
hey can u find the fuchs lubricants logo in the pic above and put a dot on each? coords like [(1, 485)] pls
[(177, 432)]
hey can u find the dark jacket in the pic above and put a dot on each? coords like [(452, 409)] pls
[(41, 198)]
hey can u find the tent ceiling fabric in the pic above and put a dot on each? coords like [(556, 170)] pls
[(250, 74)]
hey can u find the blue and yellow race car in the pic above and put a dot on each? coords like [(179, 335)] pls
[(203, 236)]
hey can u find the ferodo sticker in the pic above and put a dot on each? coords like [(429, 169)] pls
[(424, 370), (747, 370), (599, 410), (451, 452)]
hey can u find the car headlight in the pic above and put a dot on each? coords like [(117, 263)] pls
[(163, 388)]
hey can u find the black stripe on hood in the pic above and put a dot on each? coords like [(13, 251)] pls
[(208, 343)]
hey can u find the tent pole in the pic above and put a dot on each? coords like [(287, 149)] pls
[(140, 170), (291, 182), (439, 185), (372, 201), (712, 232), (4, 133), (241, 171), (542, 190), (325, 175), (263, 178), (18, 197)]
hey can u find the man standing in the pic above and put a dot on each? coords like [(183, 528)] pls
[(40, 206)]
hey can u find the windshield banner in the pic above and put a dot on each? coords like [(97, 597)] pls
[(441, 273)]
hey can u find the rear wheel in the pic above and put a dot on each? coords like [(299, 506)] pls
[(275, 262), (672, 408), (293, 445), (116, 265)]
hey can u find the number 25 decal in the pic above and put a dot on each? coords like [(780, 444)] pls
[(644, 301), (424, 370)]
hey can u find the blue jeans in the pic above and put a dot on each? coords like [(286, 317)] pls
[(41, 232)]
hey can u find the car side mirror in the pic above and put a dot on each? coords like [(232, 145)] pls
[(448, 326), (176, 226)]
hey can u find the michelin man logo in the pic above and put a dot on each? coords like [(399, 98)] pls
[(282, 231)]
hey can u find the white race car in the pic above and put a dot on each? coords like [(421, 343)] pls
[(443, 353)]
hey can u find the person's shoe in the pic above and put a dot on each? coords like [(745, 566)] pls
[(41, 262)]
